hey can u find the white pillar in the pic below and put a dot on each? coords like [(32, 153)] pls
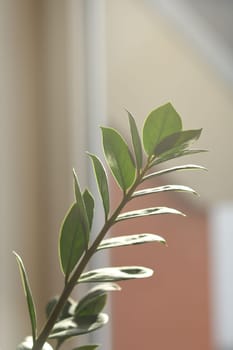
[(221, 268), (96, 104)]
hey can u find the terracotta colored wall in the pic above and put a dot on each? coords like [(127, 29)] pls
[(169, 310)]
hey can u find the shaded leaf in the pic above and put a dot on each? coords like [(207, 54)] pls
[(28, 295), (27, 344), (160, 123), (72, 240), (136, 141), (130, 240), (110, 274), (87, 347), (89, 205), (94, 301), (92, 308), (118, 158), (50, 306), (66, 311), (102, 182), (166, 188), (179, 140), (148, 211), (69, 327), (175, 168), (83, 217)]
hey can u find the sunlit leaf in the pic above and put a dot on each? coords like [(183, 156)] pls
[(87, 347), (118, 158), (173, 169), (94, 301), (136, 141), (27, 344), (166, 188), (28, 295), (130, 240), (102, 182), (177, 153), (111, 274), (89, 204), (72, 240), (81, 208), (160, 123), (148, 211), (69, 327), (179, 140)]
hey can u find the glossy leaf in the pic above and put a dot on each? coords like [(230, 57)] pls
[(69, 327), (118, 158), (94, 301), (166, 188), (111, 274), (87, 347), (27, 344), (136, 141), (130, 240), (72, 240), (89, 204), (173, 169), (28, 295), (146, 212), (177, 153), (83, 217), (160, 123), (179, 140), (102, 182)]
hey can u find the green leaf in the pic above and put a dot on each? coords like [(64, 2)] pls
[(69, 327), (83, 217), (118, 158), (175, 168), (66, 311), (179, 140), (111, 274), (176, 153), (94, 301), (87, 347), (166, 188), (160, 123), (27, 344), (72, 240), (136, 141), (102, 182), (130, 240), (93, 308), (50, 306), (28, 295), (89, 205), (148, 211)]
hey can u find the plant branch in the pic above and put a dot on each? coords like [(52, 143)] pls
[(69, 286)]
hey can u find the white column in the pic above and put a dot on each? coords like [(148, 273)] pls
[(96, 104), (221, 268)]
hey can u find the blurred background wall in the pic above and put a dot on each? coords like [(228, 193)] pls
[(68, 66)]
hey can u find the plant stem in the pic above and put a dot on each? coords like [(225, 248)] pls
[(69, 286)]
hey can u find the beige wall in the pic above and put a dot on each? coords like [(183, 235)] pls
[(149, 63), (42, 138), (19, 168)]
